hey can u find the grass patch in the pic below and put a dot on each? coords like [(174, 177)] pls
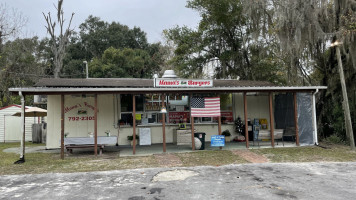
[(330, 153), (212, 158), (10, 158), (37, 163), (85, 162)]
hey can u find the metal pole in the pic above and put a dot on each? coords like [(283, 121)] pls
[(345, 104), (22, 154), (86, 69), (314, 119), (23, 130)]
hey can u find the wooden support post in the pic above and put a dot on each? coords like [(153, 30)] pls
[(134, 124), (271, 118), (95, 124), (219, 126), (192, 124), (193, 142), (62, 126), (296, 118), (164, 125), (246, 124)]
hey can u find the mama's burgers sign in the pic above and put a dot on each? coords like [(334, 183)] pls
[(161, 82)]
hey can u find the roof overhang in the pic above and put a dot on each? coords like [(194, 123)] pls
[(94, 90)]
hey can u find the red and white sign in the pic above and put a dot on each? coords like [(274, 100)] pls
[(161, 82), (228, 116), (174, 117), (82, 111)]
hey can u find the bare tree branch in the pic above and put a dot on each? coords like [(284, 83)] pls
[(60, 42), (11, 22)]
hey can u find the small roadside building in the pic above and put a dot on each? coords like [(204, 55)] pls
[(127, 106)]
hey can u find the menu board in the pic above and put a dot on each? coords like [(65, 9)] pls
[(145, 136)]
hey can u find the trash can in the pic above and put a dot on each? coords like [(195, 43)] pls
[(201, 137), (36, 133)]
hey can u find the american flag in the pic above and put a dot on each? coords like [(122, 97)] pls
[(205, 107)]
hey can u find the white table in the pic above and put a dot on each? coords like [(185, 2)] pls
[(90, 140)]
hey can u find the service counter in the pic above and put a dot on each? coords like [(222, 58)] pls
[(156, 131)]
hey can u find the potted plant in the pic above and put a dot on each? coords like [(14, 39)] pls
[(107, 132), (227, 135), (130, 138)]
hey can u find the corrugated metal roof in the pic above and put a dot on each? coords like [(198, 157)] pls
[(131, 85), (94, 82), (91, 90)]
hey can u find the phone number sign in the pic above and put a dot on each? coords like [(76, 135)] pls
[(86, 118)]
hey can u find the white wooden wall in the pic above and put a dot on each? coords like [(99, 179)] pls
[(78, 125), (257, 107)]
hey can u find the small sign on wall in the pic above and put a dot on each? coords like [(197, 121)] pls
[(217, 141), (82, 112)]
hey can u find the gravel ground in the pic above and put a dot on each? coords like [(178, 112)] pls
[(247, 181)]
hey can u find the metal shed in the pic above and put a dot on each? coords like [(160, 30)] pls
[(10, 131)]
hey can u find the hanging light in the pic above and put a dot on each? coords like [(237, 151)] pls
[(163, 110)]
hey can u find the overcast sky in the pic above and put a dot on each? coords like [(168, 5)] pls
[(152, 16)]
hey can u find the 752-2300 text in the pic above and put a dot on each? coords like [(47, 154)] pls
[(81, 118)]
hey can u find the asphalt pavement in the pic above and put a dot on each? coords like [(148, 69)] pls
[(247, 181)]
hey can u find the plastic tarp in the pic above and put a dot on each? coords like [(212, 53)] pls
[(284, 111), (305, 118), (284, 115)]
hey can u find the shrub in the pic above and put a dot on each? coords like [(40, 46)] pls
[(130, 137), (226, 133), (335, 139)]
